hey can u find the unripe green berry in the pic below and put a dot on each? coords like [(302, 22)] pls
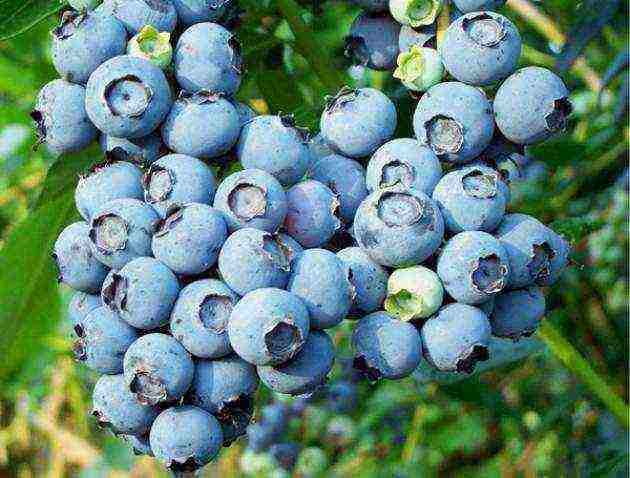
[(419, 68), (152, 45), (415, 13), (84, 5), (413, 293)]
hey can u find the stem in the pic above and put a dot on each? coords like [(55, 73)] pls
[(443, 21), (308, 47), (572, 360)]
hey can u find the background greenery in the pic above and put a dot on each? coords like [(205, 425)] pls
[(560, 412)]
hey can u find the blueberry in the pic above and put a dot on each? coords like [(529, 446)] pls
[(385, 347), (456, 338), (284, 455), (532, 105), (245, 112), (251, 259), (200, 317), (259, 437), (488, 306), (404, 162), (323, 282), (252, 198), (142, 293), (509, 159), (127, 97), (356, 122), (345, 177), (116, 408), (467, 6), (276, 145), (189, 238), (517, 313), (313, 213), (413, 293), (422, 37), (135, 14), (178, 179), (473, 266), (537, 254), (481, 48), (275, 417), (268, 326), (81, 305), (141, 151), (197, 11), (455, 120), (152, 45), (60, 117), (121, 231), (369, 280), (185, 438), (77, 265), (415, 13), (226, 387), (306, 372), (342, 397), (419, 68), (186, 130), (83, 41), (139, 444), (208, 57), (399, 227), (105, 182), (318, 147), (157, 369), (103, 339), (471, 199), (372, 5), (373, 40)]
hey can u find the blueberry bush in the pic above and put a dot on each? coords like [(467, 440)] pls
[(525, 373)]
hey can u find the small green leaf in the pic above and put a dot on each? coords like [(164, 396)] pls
[(16, 16)]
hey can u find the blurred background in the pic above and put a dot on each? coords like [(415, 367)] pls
[(555, 412)]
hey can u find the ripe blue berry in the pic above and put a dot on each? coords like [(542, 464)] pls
[(422, 37), (368, 277), (342, 397), (141, 151), (373, 40), (197, 11), (268, 326), (81, 305), (517, 313), (135, 14), (275, 417), (467, 6)]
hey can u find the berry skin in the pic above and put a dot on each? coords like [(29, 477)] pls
[(127, 97), (157, 369), (318, 147), (259, 437), (152, 45), (413, 293), (468, 6), (419, 68), (200, 317), (189, 238), (322, 281), (537, 254), (135, 14), (471, 199), (251, 198), (306, 372), (345, 177), (268, 326), (121, 231), (142, 293), (356, 122), (226, 387), (517, 313), (103, 340), (83, 41), (313, 213), (186, 130), (275, 417), (369, 280), (373, 40), (372, 5), (455, 121), (178, 179), (251, 259), (106, 182), (532, 105), (456, 338), (422, 37), (385, 347), (399, 227), (481, 48), (141, 151), (245, 112), (116, 408), (81, 305), (342, 397), (474, 267), (274, 144), (185, 438), (60, 117), (197, 11), (77, 265), (404, 162), (415, 13), (208, 57)]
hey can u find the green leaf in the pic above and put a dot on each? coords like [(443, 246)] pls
[(17, 16), (31, 307)]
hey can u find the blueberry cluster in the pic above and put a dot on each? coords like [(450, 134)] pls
[(190, 292)]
